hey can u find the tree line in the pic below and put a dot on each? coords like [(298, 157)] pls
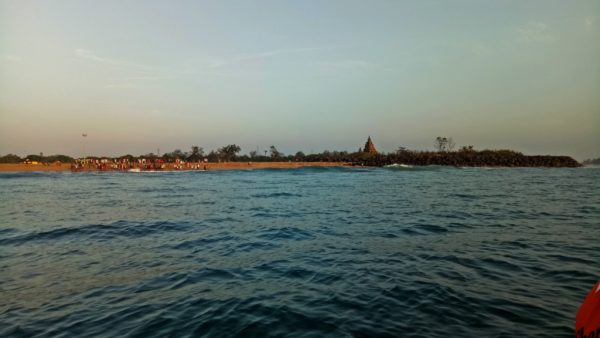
[(444, 154), (592, 161), (469, 157), (12, 158)]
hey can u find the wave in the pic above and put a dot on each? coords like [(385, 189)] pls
[(302, 169), (31, 174), (407, 167), (340, 251), (397, 165), (164, 171), (98, 231), (276, 195), (285, 233)]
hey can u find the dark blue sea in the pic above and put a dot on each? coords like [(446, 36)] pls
[(310, 252)]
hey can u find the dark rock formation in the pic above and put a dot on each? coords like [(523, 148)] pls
[(484, 158)]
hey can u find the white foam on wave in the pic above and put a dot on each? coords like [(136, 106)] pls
[(398, 165), (162, 171)]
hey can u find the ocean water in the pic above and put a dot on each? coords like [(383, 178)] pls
[(310, 252)]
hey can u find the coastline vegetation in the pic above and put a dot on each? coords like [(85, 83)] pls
[(12, 158), (592, 161), (469, 157), (444, 154)]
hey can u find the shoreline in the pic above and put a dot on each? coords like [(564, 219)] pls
[(20, 167), (66, 167)]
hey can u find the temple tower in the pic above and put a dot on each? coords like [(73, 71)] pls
[(370, 147)]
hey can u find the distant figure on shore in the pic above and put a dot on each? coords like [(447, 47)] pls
[(370, 147)]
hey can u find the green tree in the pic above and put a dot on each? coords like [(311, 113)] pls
[(177, 153), (212, 156), (10, 158), (59, 158), (275, 154), (228, 153), (196, 154), (131, 158), (444, 144), (36, 158)]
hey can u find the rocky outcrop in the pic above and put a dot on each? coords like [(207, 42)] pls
[(485, 158)]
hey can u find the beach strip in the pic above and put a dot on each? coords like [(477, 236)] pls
[(21, 167)]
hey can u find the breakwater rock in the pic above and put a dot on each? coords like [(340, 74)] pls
[(485, 158)]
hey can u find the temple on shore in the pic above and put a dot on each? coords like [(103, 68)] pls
[(370, 147)]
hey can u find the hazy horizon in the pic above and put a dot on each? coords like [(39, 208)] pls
[(306, 75)]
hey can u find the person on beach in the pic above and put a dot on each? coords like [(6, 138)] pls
[(587, 322)]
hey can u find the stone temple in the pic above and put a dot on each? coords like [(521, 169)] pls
[(370, 147)]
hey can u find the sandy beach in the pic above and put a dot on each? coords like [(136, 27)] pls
[(6, 167)]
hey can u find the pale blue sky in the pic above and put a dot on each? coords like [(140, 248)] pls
[(303, 75)]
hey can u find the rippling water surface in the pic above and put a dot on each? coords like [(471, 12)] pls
[(311, 252)]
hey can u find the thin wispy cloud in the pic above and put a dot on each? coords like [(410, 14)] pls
[(90, 55), (482, 50), (13, 58), (133, 82), (144, 78), (121, 86), (262, 55), (535, 32), (589, 22), (348, 64), (130, 82)]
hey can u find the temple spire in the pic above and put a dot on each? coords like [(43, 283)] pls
[(370, 147)]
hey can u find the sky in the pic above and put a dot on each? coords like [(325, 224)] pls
[(147, 76)]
